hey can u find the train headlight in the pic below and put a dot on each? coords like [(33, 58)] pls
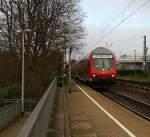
[(113, 76), (94, 75)]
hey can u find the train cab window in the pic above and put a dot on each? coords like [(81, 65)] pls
[(103, 63), (98, 63)]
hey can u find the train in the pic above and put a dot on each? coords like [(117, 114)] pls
[(98, 68)]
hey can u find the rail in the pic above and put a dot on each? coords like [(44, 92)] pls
[(37, 123), (9, 113), (134, 86), (137, 106)]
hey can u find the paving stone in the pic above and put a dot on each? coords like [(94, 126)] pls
[(80, 125), (78, 118), (85, 135)]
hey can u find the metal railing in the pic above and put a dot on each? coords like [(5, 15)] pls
[(37, 123), (9, 113), (29, 104)]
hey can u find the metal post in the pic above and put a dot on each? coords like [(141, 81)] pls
[(22, 31), (135, 64), (70, 50), (65, 58), (70, 39), (144, 55), (22, 94)]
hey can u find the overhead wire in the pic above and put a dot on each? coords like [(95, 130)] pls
[(125, 19), (117, 16), (121, 13), (134, 44), (133, 37)]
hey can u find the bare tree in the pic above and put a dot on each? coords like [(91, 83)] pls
[(49, 22)]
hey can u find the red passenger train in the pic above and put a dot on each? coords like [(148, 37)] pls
[(97, 69)]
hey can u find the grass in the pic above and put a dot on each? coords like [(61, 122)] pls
[(140, 77)]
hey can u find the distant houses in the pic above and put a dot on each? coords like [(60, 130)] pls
[(128, 63)]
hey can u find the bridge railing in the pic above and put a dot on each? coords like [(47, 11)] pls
[(37, 123), (9, 113)]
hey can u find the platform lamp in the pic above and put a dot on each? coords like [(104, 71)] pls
[(23, 31)]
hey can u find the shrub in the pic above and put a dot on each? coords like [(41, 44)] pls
[(14, 91)]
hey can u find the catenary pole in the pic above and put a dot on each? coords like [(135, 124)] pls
[(22, 94), (144, 55), (70, 44), (134, 64)]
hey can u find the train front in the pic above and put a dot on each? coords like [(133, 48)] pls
[(103, 67)]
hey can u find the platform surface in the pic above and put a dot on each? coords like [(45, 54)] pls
[(86, 113), (87, 116)]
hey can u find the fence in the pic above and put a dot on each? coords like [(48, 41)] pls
[(37, 123), (9, 113), (29, 104)]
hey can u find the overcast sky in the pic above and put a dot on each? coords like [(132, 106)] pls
[(128, 36)]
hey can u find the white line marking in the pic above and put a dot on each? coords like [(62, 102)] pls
[(107, 113)]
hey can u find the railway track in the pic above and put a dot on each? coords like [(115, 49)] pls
[(136, 83), (137, 106)]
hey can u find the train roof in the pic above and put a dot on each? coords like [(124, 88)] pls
[(102, 51)]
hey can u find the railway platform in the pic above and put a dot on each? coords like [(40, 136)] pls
[(83, 112), (86, 113)]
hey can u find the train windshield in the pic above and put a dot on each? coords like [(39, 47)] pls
[(103, 63)]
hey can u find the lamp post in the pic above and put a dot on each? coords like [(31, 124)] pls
[(20, 30), (134, 64)]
